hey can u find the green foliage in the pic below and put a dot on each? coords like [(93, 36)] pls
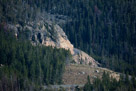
[(103, 29), (106, 83), (29, 66)]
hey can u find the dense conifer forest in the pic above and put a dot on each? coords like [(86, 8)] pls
[(105, 29), (108, 83), (26, 67)]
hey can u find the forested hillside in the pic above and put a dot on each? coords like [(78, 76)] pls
[(105, 29), (26, 67), (110, 84)]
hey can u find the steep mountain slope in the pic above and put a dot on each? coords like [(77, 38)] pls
[(46, 33), (103, 29), (81, 57), (24, 67)]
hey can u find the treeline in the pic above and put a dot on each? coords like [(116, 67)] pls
[(26, 67), (107, 83)]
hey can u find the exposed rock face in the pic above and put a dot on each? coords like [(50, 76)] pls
[(81, 57), (45, 33), (49, 34)]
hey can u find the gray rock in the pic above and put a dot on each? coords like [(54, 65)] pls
[(46, 33)]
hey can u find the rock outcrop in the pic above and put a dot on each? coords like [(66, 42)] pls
[(44, 33), (81, 57), (49, 34)]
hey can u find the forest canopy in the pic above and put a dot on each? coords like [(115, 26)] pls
[(24, 66)]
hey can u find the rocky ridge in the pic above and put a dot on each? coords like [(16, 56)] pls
[(49, 34)]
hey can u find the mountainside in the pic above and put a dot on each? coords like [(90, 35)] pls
[(103, 29), (83, 58), (46, 33), (63, 42), (26, 67)]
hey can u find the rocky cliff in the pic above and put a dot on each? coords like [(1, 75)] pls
[(81, 57), (49, 34), (44, 33)]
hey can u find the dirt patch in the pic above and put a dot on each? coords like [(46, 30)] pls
[(77, 74)]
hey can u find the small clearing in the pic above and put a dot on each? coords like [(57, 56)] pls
[(77, 74)]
